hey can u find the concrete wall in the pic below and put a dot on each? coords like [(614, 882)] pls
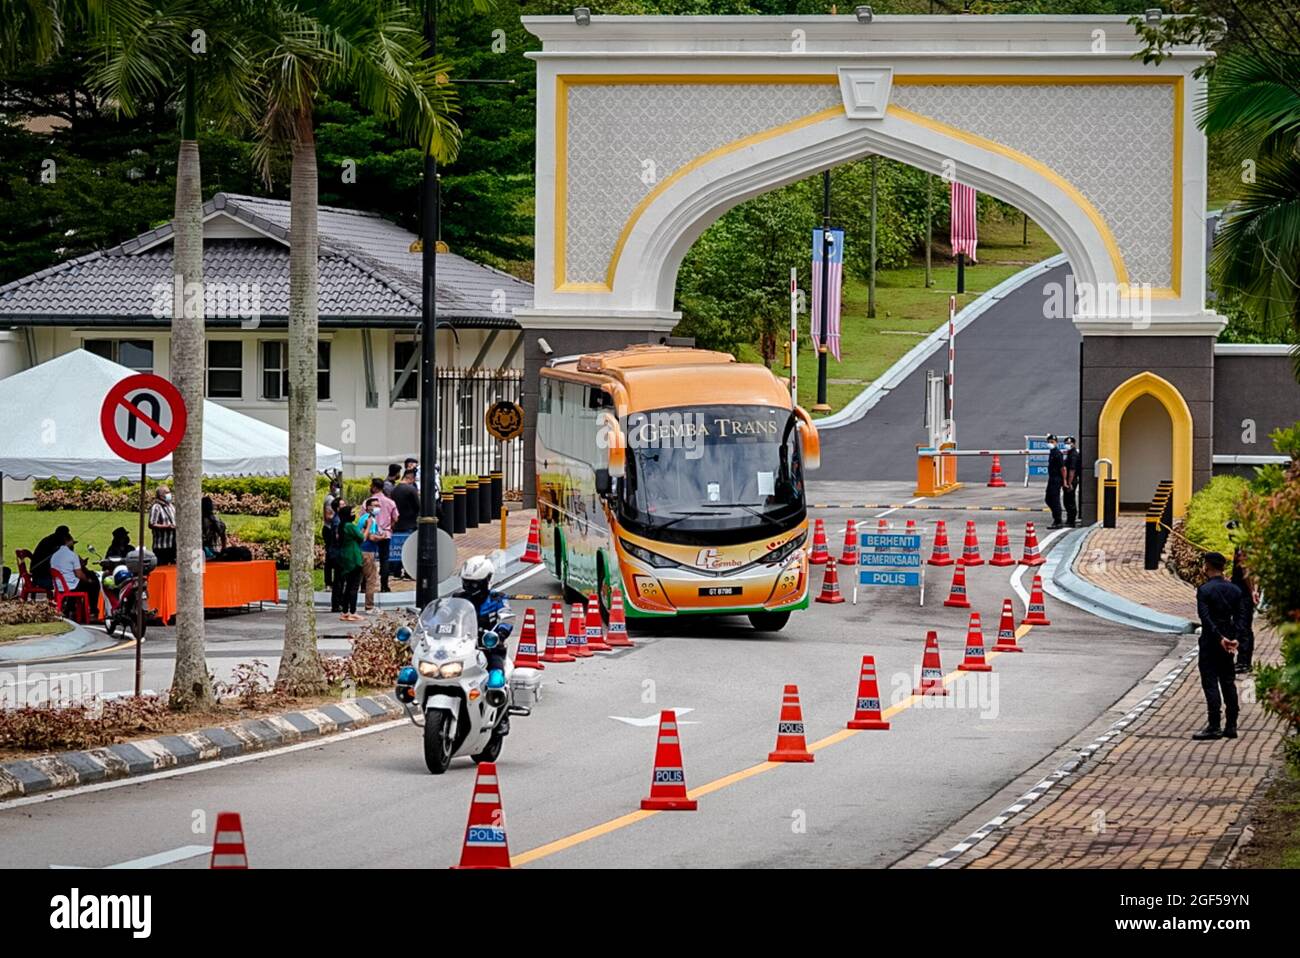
[(1187, 362), (1254, 388), (369, 437)]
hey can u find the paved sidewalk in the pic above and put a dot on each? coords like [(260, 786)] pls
[(1154, 799)]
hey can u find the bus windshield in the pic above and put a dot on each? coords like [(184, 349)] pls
[(712, 473)]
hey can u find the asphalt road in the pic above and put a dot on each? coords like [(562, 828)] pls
[(1017, 373), (572, 775)]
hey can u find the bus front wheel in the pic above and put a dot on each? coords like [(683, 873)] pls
[(769, 621)]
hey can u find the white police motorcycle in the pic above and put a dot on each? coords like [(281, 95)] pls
[(448, 685)]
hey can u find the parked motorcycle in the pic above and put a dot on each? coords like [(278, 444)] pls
[(447, 689), (123, 592)]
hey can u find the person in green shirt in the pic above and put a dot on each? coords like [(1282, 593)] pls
[(347, 571)]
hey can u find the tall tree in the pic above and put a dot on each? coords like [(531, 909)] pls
[(183, 48), (374, 49)]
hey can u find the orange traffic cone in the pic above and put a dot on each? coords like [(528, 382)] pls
[(228, 849), (556, 644), (668, 784), (533, 550), (931, 669), (995, 474), (940, 555), (577, 642), (1031, 556), (970, 550), (974, 660), (1007, 630), (617, 632), (1002, 546), (485, 835), (819, 553), (526, 654), (1037, 608), (790, 743), (911, 527), (595, 627), (850, 554), (882, 526), (957, 594), (867, 713), (830, 584)]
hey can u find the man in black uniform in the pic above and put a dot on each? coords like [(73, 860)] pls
[(1218, 602), (1073, 468), (1055, 480)]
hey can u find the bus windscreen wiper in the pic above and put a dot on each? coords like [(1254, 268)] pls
[(752, 510), (680, 516)]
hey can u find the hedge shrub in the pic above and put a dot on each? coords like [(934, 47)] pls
[(1205, 525)]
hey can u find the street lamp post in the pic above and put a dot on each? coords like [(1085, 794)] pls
[(426, 575)]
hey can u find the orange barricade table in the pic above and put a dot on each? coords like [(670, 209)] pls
[(226, 585)]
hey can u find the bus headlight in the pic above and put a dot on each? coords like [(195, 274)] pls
[(646, 556), (785, 550)]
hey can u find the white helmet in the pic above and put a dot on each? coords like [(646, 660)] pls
[(477, 569)]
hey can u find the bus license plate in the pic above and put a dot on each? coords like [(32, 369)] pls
[(712, 590)]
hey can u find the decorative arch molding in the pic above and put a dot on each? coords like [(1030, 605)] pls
[(1122, 396)]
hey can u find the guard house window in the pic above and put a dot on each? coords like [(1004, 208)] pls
[(403, 350), (225, 369), (275, 370), (136, 354)]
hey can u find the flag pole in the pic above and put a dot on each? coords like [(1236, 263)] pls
[(794, 336)]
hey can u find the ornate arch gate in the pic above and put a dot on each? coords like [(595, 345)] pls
[(649, 128)]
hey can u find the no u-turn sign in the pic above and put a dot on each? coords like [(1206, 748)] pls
[(143, 418)]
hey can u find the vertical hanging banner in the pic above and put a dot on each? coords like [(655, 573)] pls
[(965, 229), (794, 336), (835, 274)]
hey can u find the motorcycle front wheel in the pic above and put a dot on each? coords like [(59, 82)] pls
[(437, 741), (491, 750), (110, 624)]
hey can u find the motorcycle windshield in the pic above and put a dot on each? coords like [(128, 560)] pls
[(450, 618)]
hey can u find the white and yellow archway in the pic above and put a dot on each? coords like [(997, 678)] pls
[(1180, 416)]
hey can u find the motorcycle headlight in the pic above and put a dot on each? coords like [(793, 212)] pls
[(646, 556), (452, 669), (428, 669)]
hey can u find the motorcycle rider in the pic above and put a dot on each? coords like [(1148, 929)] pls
[(475, 581)]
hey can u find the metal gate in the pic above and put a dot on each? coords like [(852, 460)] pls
[(465, 447)]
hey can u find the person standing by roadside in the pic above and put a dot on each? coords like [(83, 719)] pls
[(1218, 603), (162, 523), (1055, 480), (348, 565), (387, 516), (368, 526), (407, 499), (329, 534), (1244, 581), (394, 477), (1070, 489)]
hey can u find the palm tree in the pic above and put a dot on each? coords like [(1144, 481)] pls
[(1254, 105), (374, 49), (31, 31), (142, 50)]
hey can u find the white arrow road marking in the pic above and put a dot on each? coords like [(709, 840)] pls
[(650, 720), (154, 861), (1022, 569)]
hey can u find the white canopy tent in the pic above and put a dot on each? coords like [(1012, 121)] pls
[(50, 429)]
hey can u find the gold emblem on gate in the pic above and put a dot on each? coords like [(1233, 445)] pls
[(505, 420)]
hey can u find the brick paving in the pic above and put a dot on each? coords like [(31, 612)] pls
[(1155, 799)]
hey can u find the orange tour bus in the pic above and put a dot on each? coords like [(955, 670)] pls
[(676, 474)]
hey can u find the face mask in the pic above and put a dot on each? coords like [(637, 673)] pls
[(374, 511), (168, 497), (1051, 445)]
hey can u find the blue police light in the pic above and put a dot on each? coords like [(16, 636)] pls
[(491, 639), (407, 675), (404, 635), (496, 679)]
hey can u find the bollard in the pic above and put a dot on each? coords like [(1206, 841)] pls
[(1110, 503), (485, 511), (498, 490), (459, 517), (471, 503)]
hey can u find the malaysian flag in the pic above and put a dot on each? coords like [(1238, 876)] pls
[(835, 260), (965, 230)]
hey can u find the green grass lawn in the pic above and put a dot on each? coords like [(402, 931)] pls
[(11, 633), (907, 312)]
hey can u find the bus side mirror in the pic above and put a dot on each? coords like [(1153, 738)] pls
[(603, 482), (810, 443), (614, 445)]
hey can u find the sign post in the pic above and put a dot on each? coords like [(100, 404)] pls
[(143, 421), (890, 559)]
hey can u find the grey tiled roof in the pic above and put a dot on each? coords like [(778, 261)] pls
[(366, 272)]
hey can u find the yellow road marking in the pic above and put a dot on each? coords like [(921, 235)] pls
[(631, 818)]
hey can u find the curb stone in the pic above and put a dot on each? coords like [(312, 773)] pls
[(142, 757)]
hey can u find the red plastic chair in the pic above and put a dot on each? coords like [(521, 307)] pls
[(80, 600), (28, 590)]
